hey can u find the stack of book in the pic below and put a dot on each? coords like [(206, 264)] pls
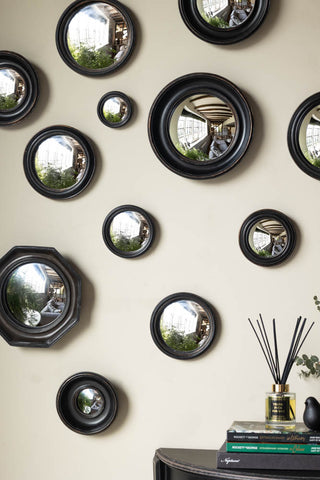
[(250, 445)]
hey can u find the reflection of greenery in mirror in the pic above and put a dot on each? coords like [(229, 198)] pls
[(90, 402), (60, 162), (12, 89), (129, 231), (202, 127), (90, 58), (309, 136), (178, 340), (225, 13), (268, 238), (115, 109), (8, 102)]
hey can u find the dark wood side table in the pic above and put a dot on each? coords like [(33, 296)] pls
[(185, 464)]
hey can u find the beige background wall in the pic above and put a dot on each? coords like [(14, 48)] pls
[(163, 402)]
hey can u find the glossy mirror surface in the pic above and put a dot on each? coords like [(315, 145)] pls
[(268, 238), (225, 14), (129, 231), (97, 36), (202, 128), (12, 89), (90, 402), (60, 162), (184, 325), (115, 110), (35, 294), (309, 136)]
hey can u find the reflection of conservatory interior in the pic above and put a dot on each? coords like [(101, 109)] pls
[(12, 88), (309, 137), (115, 109), (268, 238), (129, 231), (202, 127), (60, 162), (99, 27), (225, 13), (36, 294)]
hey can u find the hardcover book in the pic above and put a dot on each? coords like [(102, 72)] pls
[(304, 448), (256, 432)]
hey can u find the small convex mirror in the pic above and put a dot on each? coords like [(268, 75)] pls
[(225, 13), (267, 237), (90, 401), (114, 109), (128, 231), (202, 128), (183, 325)]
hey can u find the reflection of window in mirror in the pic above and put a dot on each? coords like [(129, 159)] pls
[(225, 13), (309, 136), (129, 231), (12, 89)]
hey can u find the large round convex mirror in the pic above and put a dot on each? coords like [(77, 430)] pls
[(59, 162), (114, 109), (183, 325), (95, 38), (18, 87), (223, 21), (200, 126), (304, 136), (267, 237), (128, 231)]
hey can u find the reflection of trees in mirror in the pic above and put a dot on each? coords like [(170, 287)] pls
[(8, 101), (126, 244), (215, 21), (178, 340), (112, 117), (193, 153), (22, 298), (312, 364), (57, 178), (88, 57), (313, 160), (262, 253)]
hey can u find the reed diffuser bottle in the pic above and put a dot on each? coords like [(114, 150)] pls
[(280, 404)]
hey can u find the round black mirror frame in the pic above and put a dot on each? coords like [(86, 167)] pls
[(199, 27), (249, 223), (24, 68), (29, 164), (106, 97), (62, 44), (67, 408), (14, 332), (106, 229), (294, 132), (164, 106), (155, 325)]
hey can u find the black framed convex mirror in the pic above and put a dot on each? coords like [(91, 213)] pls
[(128, 231), (183, 325), (59, 162), (40, 296), (87, 403), (95, 38), (267, 237), (223, 21), (114, 109), (200, 125), (304, 136), (18, 87)]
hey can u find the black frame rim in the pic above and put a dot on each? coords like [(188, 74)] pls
[(106, 229), (61, 37), (29, 164), (75, 420), (104, 98), (203, 30), (294, 132), (249, 223), (24, 68), (164, 106), (155, 325)]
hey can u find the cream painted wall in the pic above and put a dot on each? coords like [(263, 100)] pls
[(163, 402)]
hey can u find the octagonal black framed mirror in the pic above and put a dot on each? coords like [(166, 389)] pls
[(304, 136), (128, 231), (200, 126), (18, 87), (59, 162), (183, 325), (267, 237), (114, 109), (40, 296), (95, 37), (223, 21), (87, 403)]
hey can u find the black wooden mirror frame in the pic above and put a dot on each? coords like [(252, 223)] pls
[(14, 332), (155, 325), (29, 163), (67, 408), (166, 103), (106, 231), (294, 133), (202, 29), (23, 67), (106, 97), (62, 44), (249, 223)]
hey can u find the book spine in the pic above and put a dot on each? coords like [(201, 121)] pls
[(267, 461), (273, 448), (297, 438)]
